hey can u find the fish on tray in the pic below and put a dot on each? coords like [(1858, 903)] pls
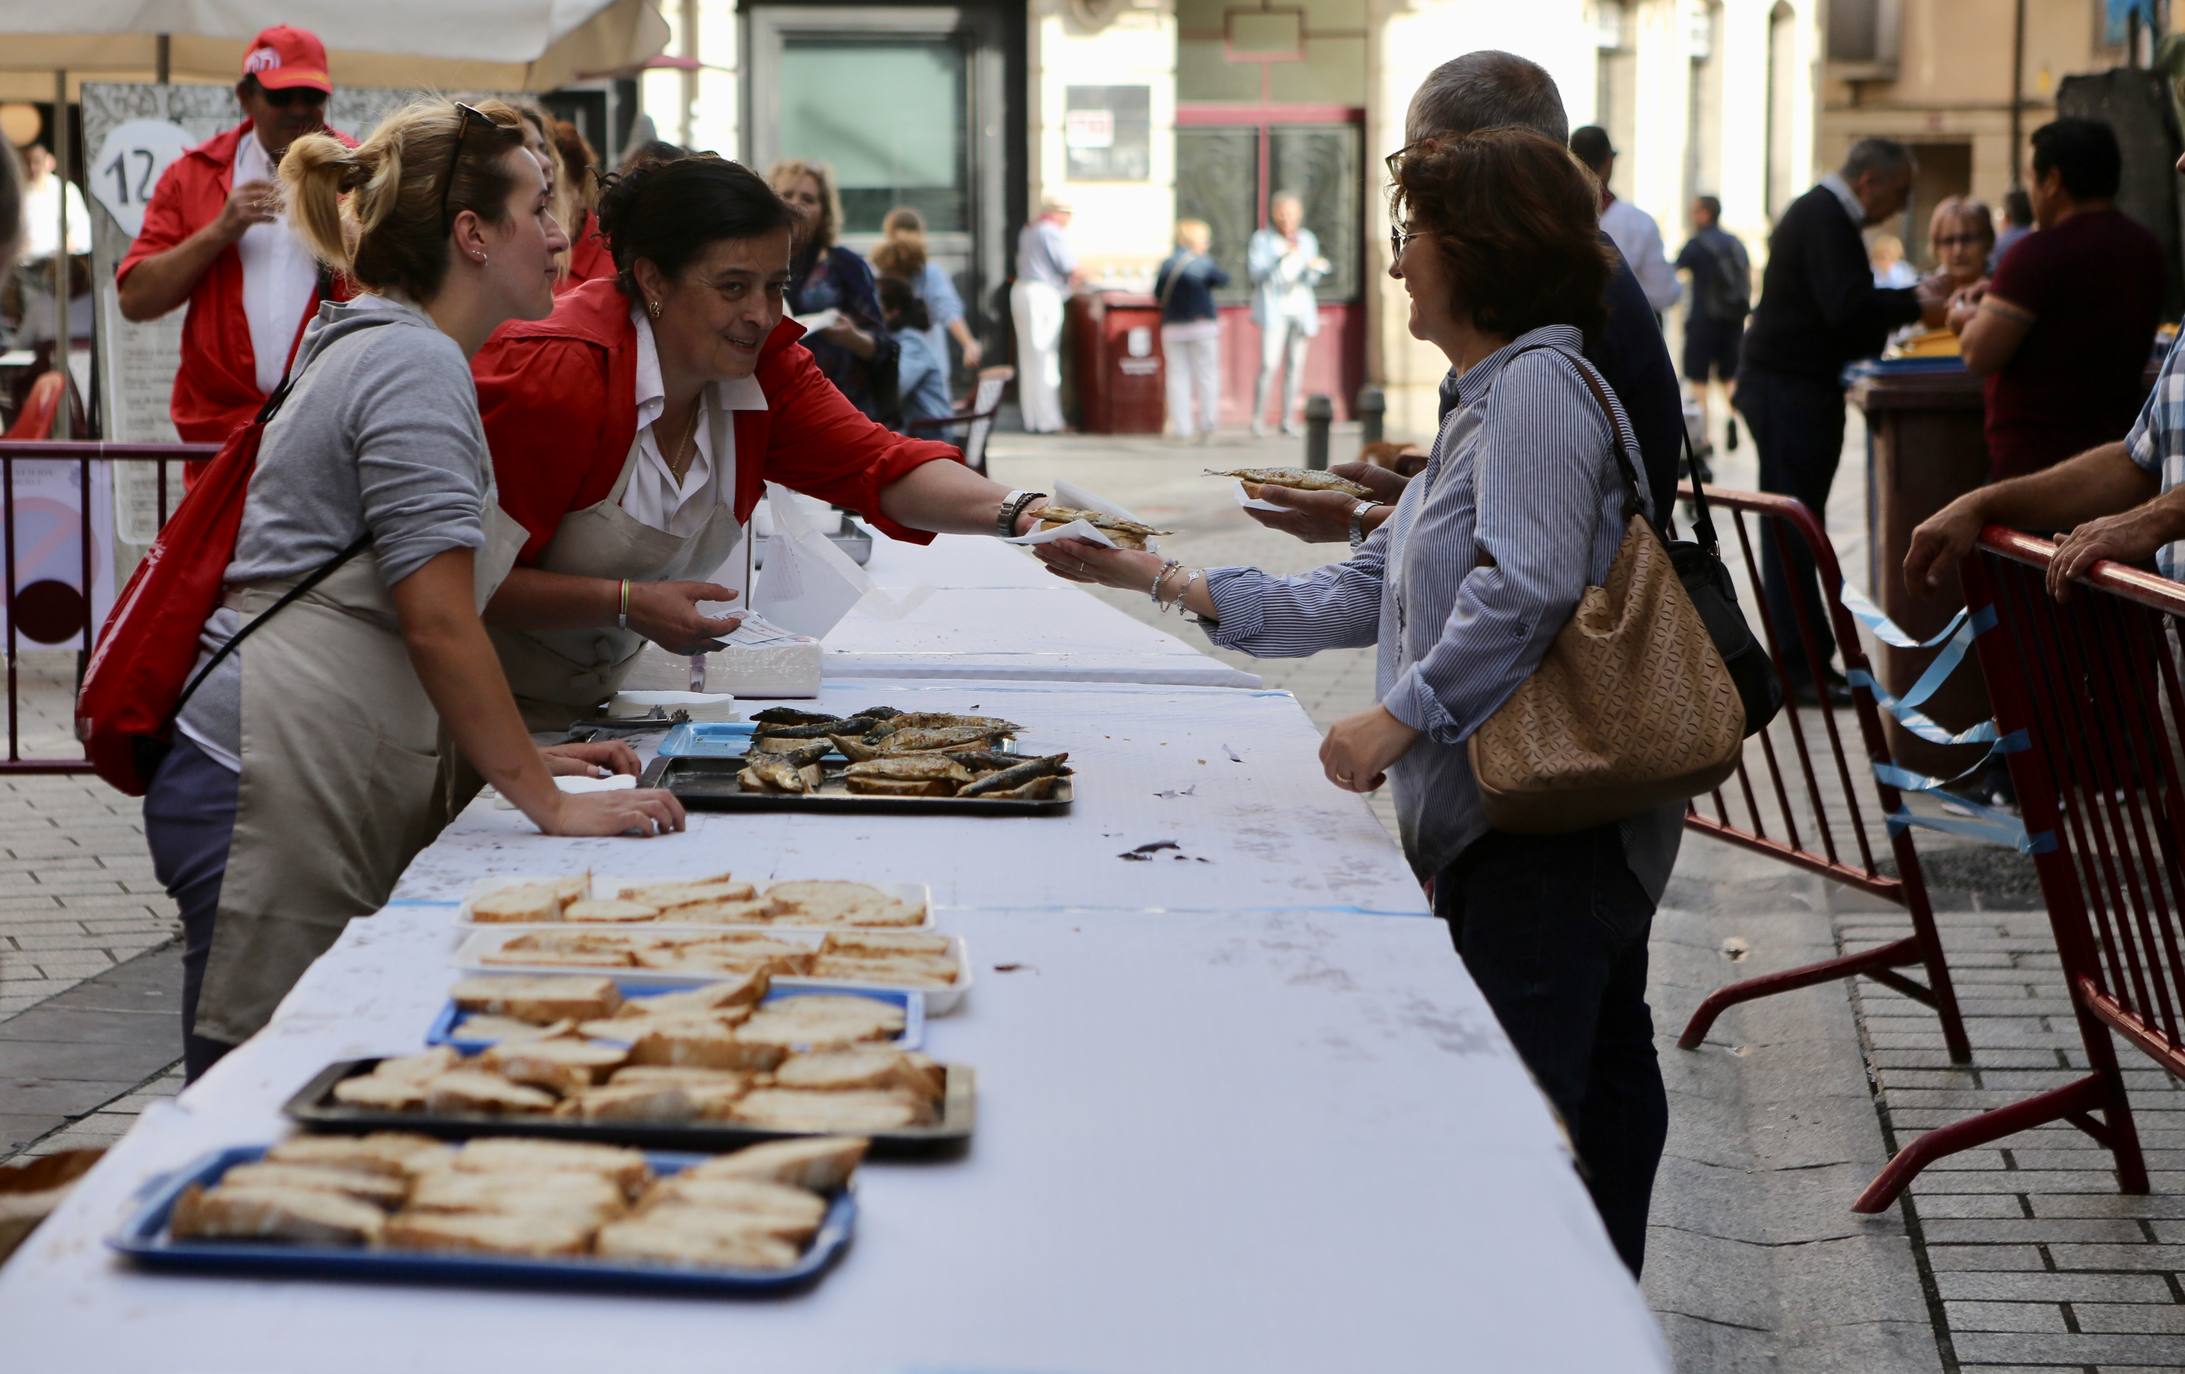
[(1032, 778), (1300, 479), (778, 773), (1128, 534)]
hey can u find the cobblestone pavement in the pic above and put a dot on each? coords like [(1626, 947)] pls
[(2011, 1259)]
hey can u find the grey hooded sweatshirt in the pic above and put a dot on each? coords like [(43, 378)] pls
[(380, 432)]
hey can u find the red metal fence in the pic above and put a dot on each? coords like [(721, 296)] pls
[(57, 622), (1797, 795), (2093, 682)]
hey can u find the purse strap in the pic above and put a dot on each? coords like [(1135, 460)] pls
[(311, 579), (1632, 504)]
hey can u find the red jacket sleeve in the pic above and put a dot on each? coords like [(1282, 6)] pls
[(165, 224), (544, 405), (820, 444)]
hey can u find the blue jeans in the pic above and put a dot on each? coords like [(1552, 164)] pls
[(1553, 929), (189, 818)]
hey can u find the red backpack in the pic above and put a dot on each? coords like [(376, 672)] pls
[(139, 674)]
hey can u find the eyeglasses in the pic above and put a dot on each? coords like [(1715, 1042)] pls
[(1400, 237), (1395, 160), (1956, 240), (455, 157), (294, 95)]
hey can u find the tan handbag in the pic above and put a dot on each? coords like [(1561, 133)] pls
[(1631, 708)]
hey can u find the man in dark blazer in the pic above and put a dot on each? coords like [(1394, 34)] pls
[(1819, 310)]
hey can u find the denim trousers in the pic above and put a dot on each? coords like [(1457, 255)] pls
[(189, 817), (1553, 929)]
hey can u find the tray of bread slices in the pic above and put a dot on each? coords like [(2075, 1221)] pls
[(709, 1067), (827, 931), (404, 1206)]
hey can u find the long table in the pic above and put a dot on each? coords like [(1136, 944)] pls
[(1240, 1105)]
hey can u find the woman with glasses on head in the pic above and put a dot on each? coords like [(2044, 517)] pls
[(635, 428), (1521, 507), (304, 773)]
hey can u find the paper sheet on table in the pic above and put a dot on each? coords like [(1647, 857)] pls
[(1251, 502), (808, 585), (1075, 497)]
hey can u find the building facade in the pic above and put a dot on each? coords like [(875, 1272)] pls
[(1138, 112)]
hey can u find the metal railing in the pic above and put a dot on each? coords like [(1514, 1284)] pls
[(84, 455), (1797, 794), (2089, 687)]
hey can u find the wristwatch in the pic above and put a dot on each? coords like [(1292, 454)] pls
[(1012, 506), (1357, 521)]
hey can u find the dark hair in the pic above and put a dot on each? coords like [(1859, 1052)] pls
[(1516, 221), (1487, 89), (2084, 152), (652, 150), (1884, 155), (1713, 206), (2018, 208), (1591, 146), (666, 212), (899, 302)]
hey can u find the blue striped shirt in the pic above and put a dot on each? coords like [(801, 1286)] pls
[(1466, 585), (2157, 443)]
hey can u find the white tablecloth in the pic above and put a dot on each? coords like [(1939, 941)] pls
[(995, 613), (1231, 777), (1253, 1141)]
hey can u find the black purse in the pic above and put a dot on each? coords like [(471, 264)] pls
[(1706, 580)]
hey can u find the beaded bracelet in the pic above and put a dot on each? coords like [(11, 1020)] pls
[(1154, 593)]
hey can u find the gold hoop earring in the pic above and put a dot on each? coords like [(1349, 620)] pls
[(654, 307)]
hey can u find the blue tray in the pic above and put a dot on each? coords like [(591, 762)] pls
[(143, 1238), (712, 739), (911, 1001)]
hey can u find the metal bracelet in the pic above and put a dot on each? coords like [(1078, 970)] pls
[(1196, 574), (622, 615), (1154, 593), (1012, 506)]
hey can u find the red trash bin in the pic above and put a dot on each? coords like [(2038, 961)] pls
[(1116, 336)]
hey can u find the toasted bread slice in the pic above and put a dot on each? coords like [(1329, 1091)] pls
[(486, 1026), (886, 944), (381, 1190), (650, 892), (542, 999), (474, 1090), (610, 911), (728, 995), (374, 1093), (490, 1233), (626, 1167), (747, 912), (651, 1238), (632, 1102), (790, 1109), (892, 973), (572, 887), (560, 1066), (672, 900), (302, 1215), (683, 1076), (524, 904), (826, 1018), (822, 1165), (787, 1212), (592, 1197), (416, 1068), (852, 1070), (395, 1154), (685, 1045)]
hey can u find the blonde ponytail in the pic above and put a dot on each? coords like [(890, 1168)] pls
[(374, 212), (314, 176)]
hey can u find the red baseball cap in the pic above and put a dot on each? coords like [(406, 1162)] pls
[(283, 58)]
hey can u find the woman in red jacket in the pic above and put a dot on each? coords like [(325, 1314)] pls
[(633, 429)]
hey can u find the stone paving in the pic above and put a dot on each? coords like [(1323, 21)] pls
[(2006, 1260)]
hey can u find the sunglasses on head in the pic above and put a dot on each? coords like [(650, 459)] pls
[(294, 96)]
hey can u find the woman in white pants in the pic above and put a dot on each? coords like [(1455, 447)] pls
[(1046, 270), (1191, 330)]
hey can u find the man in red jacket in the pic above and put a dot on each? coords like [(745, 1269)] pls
[(213, 236)]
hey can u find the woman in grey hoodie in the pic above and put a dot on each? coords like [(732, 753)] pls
[(305, 771)]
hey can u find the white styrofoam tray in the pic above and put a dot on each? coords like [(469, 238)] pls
[(605, 885)]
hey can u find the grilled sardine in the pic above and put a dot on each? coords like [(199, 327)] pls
[(1017, 775), (1303, 479)]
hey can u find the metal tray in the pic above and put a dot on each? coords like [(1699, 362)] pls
[(143, 1237), (913, 1035), (314, 1107), (481, 940), (731, 739), (709, 784), (850, 537)]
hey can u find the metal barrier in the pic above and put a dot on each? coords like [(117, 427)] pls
[(79, 620), (1826, 790), (2091, 685)]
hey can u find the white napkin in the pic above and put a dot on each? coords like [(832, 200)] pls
[(1250, 502), (1075, 497)]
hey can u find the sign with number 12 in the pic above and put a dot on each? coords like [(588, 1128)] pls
[(129, 165)]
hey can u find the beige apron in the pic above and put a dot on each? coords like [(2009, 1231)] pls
[(560, 676), (338, 789)]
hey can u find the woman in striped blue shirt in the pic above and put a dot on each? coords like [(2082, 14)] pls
[(1462, 590)]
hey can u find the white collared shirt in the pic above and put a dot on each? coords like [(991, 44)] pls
[(279, 274), (653, 496), (1847, 198)]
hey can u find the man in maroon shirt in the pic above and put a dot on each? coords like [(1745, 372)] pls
[(2063, 331)]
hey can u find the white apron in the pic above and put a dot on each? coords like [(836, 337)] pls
[(561, 676), (340, 750)]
